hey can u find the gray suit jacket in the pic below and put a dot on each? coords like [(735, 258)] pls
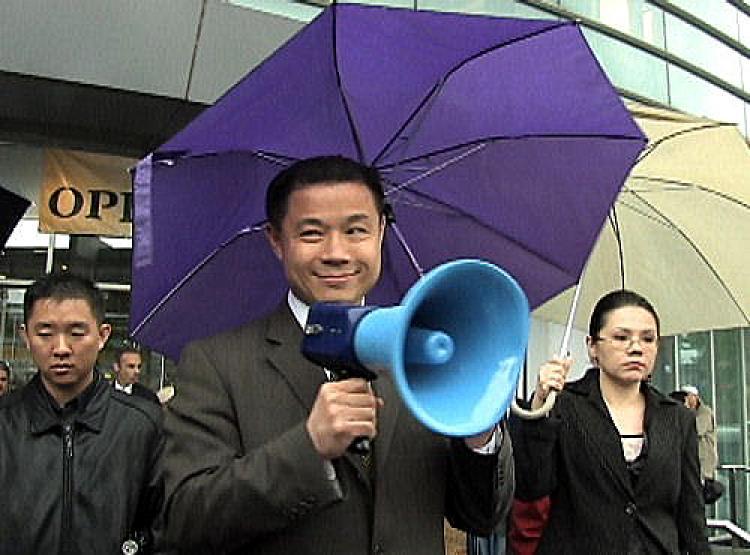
[(243, 475)]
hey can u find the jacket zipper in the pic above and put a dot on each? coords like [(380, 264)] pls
[(67, 515)]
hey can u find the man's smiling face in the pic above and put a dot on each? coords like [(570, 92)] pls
[(330, 242)]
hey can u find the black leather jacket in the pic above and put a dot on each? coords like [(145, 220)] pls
[(84, 479)]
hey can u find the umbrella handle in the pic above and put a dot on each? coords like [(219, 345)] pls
[(549, 402), (535, 414)]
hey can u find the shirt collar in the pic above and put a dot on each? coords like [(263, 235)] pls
[(126, 388), (300, 309)]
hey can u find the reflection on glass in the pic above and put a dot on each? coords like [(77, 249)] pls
[(696, 96), (743, 24), (629, 68), (663, 377), (293, 10), (509, 8), (728, 368), (637, 18), (717, 13), (694, 357), (728, 409), (702, 50)]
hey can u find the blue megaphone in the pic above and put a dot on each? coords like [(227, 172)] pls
[(454, 346)]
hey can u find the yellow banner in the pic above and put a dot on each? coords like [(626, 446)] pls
[(86, 194)]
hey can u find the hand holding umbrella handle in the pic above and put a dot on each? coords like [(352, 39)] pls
[(549, 402)]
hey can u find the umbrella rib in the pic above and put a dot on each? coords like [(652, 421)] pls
[(486, 140), (651, 147), (340, 87), (441, 82), (689, 185), (187, 277), (438, 168), (464, 214), (615, 224), (700, 254)]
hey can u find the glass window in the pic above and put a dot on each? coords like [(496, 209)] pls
[(694, 358), (637, 18), (743, 24), (509, 8), (629, 68), (11, 343), (293, 10), (717, 13), (696, 96), (702, 50), (729, 405), (663, 377)]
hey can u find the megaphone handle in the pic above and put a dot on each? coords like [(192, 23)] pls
[(535, 414), (360, 446)]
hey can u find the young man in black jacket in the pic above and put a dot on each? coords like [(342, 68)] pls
[(80, 464)]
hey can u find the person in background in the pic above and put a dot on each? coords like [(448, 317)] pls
[(617, 459), (258, 437), (80, 468), (4, 378), (708, 452), (706, 426), (127, 369)]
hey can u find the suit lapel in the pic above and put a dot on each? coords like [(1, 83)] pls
[(284, 337), (387, 418), (601, 434), (661, 428)]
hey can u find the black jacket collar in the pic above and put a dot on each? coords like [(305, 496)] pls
[(88, 409)]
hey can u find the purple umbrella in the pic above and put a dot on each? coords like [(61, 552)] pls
[(499, 139), (12, 209)]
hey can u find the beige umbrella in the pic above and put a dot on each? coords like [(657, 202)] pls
[(679, 232)]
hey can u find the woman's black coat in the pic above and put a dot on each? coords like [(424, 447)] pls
[(576, 457)]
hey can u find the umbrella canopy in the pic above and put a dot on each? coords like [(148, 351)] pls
[(499, 139), (679, 232), (12, 209)]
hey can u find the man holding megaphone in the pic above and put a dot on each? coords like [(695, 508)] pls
[(258, 457)]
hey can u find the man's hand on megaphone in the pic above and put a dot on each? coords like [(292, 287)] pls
[(552, 376), (342, 412)]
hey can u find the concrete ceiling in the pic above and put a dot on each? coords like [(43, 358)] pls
[(122, 77)]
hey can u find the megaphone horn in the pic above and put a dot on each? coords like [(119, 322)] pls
[(454, 346)]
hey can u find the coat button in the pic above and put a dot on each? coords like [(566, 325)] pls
[(630, 509)]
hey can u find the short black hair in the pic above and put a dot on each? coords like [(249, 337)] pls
[(614, 300), (320, 169), (126, 348), (62, 287)]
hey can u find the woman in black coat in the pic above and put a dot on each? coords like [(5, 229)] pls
[(618, 459)]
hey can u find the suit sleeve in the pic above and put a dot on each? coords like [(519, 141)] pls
[(535, 455), (480, 487), (691, 519), (151, 499), (220, 497)]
